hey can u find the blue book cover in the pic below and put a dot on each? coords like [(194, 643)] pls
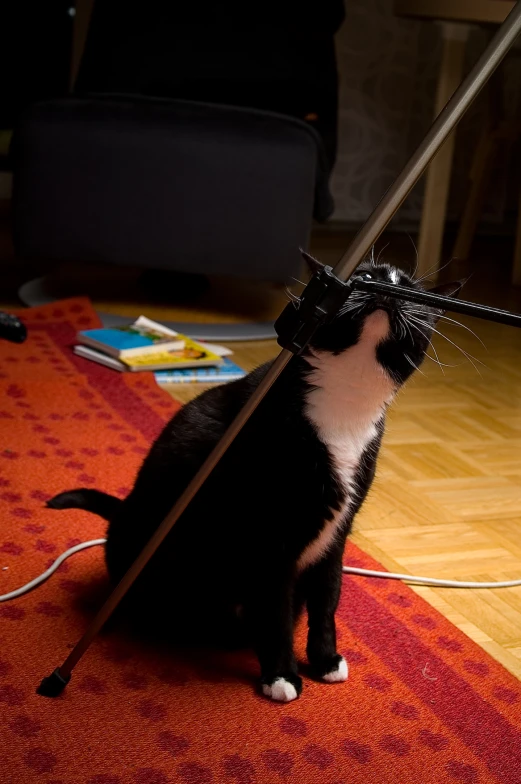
[(118, 338), (140, 338), (228, 371)]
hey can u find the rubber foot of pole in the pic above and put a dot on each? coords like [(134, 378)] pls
[(53, 685)]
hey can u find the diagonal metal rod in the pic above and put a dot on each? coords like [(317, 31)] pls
[(437, 301), (366, 237)]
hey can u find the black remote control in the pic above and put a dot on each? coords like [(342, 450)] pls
[(11, 328)]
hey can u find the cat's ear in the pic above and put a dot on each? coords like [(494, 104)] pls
[(313, 264), (448, 289)]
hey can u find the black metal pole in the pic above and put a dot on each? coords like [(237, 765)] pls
[(437, 301)]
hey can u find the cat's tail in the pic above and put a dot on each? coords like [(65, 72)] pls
[(94, 501)]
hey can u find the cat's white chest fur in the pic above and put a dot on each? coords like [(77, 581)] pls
[(351, 393)]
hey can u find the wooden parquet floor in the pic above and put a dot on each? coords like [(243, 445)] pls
[(447, 498)]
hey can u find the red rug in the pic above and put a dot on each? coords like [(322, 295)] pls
[(422, 704)]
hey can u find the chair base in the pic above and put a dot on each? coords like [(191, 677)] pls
[(39, 292)]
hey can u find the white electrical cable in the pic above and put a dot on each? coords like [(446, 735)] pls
[(409, 578), (45, 576)]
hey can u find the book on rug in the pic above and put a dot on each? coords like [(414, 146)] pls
[(192, 355), (99, 357), (228, 371), (138, 339)]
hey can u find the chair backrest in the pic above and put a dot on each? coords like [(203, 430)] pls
[(278, 55), (166, 184)]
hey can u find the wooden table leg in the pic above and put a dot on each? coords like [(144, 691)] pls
[(438, 174), (480, 172), (493, 132)]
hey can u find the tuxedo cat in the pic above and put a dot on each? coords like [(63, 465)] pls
[(265, 535)]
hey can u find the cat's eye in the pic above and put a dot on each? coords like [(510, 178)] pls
[(366, 276)]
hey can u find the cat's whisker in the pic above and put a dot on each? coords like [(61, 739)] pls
[(464, 326), (399, 326), (409, 360), (297, 280), (453, 321), (437, 361), (356, 295), (381, 251), (402, 323), (407, 326), (351, 306), (437, 358), (469, 356), (408, 330), (472, 359), (349, 309), (431, 270), (465, 353), (417, 256), (426, 338), (291, 297)]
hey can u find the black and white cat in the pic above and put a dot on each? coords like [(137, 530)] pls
[(265, 535)]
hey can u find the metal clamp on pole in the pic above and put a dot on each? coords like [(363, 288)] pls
[(320, 301)]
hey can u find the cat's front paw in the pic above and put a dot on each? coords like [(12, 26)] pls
[(283, 688), (333, 670), (338, 673)]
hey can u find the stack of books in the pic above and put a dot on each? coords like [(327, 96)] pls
[(147, 345)]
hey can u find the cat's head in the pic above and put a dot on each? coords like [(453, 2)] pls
[(398, 331)]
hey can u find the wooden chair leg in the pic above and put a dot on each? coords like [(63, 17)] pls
[(480, 176), (438, 175)]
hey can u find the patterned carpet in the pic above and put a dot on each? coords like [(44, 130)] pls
[(422, 704)]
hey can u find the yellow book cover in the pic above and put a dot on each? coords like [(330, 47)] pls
[(192, 355)]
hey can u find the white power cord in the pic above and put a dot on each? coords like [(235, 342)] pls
[(45, 576), (409, 578)]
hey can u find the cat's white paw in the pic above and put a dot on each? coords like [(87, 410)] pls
[(339, 674), (280, 690)]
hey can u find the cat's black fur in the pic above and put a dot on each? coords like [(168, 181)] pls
[(231, 559)]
